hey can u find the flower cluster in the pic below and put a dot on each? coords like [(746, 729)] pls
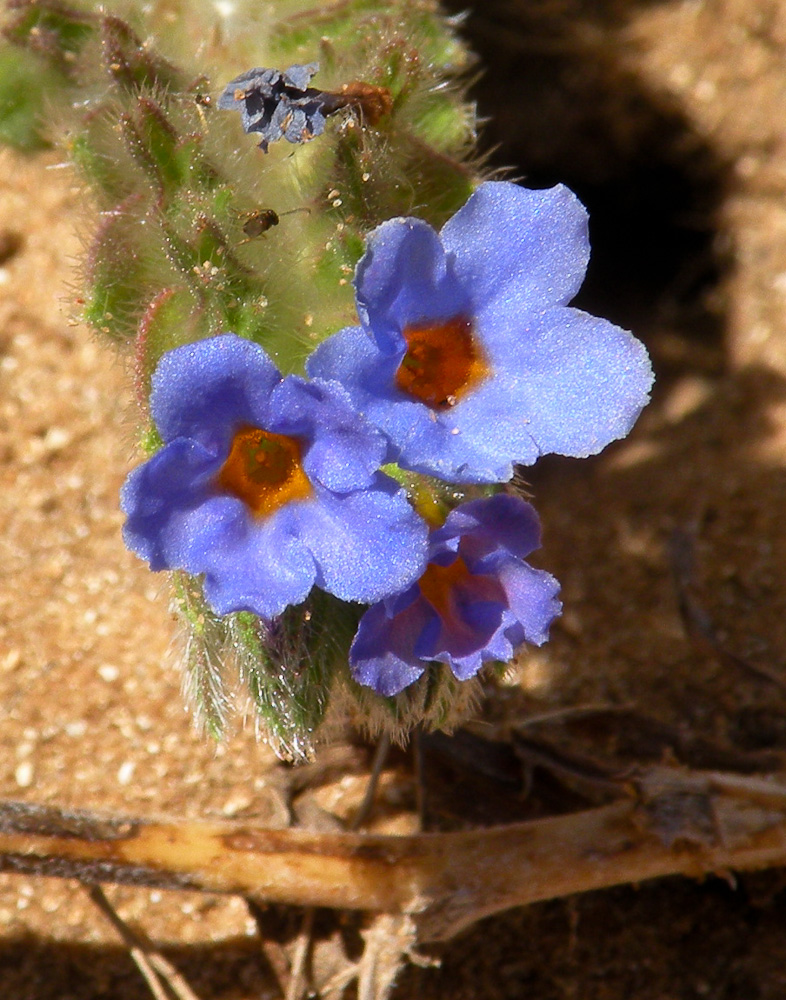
[(467, 360)]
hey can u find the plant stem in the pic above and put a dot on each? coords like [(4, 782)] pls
[(675, 822)]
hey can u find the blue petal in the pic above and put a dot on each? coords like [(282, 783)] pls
[(486, 424), (253, 79), (436, 444), (344, 451), (207, 389), (439, 444), (510, 237), (366, 545), (575, 382), (404, 278), (352, 358), (160, 499), (532, 600), (497, 647), (467, 637), (509, 521), (257, 565), (382, 654)]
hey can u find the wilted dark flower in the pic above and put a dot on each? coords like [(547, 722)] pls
[(277, 105), (282, 105)]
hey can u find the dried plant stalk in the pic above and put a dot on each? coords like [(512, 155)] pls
[(676, 822)]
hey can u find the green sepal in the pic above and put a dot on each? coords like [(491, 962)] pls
[(114, 272), (173, 317), (174, 162), (104, 162), (150, 441), (140, 151), (231, 295), (207, 640), (132, 64), (288, 667)]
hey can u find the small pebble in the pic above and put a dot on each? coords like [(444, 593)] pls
[(125, 772), (24, 774)]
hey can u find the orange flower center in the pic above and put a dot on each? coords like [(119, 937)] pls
[(442, 363), (437, 586), (264, 471)]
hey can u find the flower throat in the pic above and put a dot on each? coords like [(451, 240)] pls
[(442, 363), (264, 470)]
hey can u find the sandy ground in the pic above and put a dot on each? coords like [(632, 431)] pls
[(668, 119)]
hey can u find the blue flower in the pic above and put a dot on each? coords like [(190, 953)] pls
[(267, 486), (468, 356), (477, 601)]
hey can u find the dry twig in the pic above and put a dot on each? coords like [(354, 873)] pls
[(162, 978), (677, 822)]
